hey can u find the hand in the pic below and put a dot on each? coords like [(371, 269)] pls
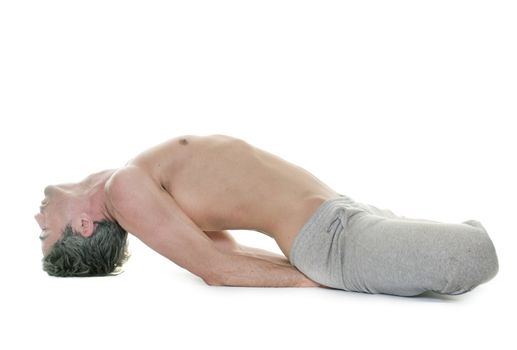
[(306, 282)]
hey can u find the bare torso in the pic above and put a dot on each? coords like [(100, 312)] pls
[(223, 183)]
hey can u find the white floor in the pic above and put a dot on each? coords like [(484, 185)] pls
[(154, 304)]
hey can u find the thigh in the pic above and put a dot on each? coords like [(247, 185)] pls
[(401, 256)]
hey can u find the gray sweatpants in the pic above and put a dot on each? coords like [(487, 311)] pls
[(358, 247)]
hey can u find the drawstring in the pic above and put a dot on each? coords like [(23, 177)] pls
[(335, 226)]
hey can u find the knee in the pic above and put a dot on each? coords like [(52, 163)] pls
[(473, 262)]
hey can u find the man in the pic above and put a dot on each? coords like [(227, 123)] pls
[(182, 196)]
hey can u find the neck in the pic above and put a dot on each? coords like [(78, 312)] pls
[(94, 187)]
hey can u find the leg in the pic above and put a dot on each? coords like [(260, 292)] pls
[(402, 256)]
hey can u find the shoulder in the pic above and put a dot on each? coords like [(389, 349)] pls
[(122, 178), (122, 186)]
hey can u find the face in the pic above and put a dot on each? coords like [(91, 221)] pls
[(58, 209)]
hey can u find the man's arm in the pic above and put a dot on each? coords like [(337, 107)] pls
[(225, 242), (243, 270), (271, 264), (152, 215), (264, 255)]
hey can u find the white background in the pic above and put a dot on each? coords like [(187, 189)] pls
[(407, 105)]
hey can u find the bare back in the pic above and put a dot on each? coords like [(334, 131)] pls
[(225, 183)]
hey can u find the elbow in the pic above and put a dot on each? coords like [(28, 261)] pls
[(220, 271), (213, 279)]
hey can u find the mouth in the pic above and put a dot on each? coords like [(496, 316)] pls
[(43, 205)]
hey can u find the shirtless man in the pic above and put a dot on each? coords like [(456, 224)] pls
[(181, 197)]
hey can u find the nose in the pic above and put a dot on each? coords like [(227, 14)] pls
[(39, 219)]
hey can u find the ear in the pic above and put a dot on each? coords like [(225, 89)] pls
[(86, 225)]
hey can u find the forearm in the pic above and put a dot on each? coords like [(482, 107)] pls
[(244, 270), (263, 254)]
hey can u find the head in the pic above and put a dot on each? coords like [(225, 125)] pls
[(79, 237)]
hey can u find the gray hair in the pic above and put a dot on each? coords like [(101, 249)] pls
[(100, 254)]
